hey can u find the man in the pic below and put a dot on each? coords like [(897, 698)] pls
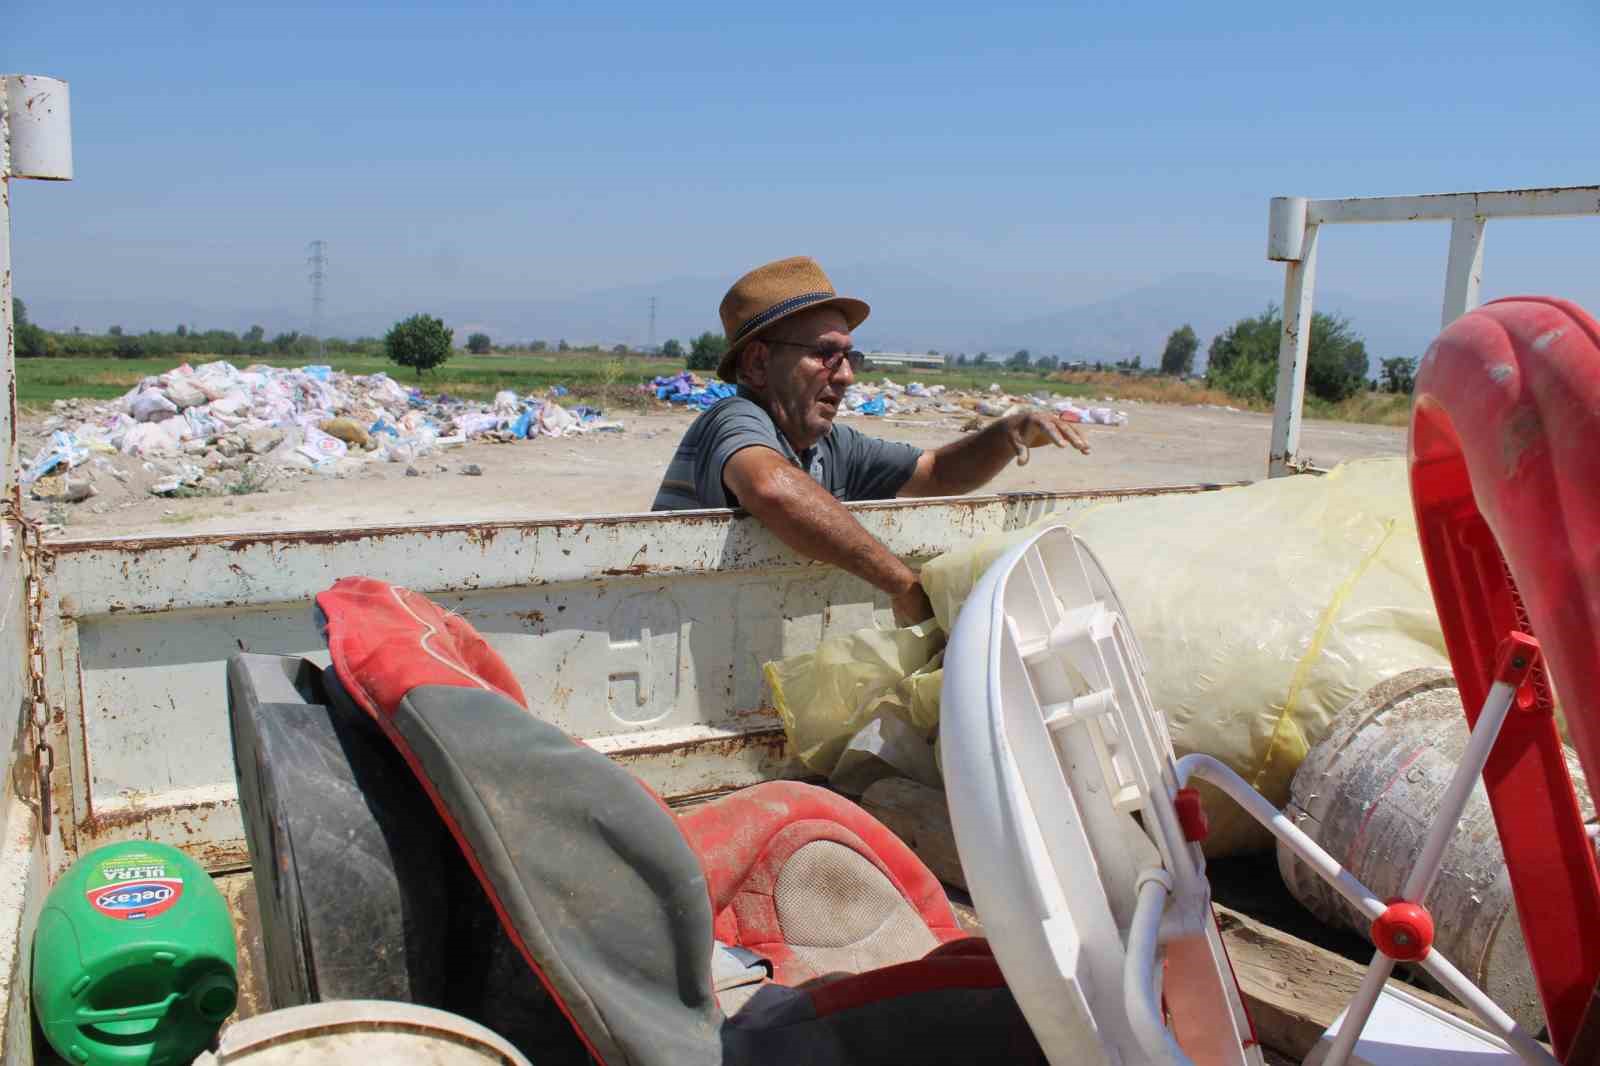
[(774, 449)]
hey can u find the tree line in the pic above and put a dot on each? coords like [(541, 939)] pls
[(35, 342), (1243, 359)]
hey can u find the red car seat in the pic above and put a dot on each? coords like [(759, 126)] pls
[(622, 910)]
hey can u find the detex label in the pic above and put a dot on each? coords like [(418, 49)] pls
[(134, 887)]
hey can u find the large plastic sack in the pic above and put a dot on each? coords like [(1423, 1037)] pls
[(186, 393), (1262, 610), (150, 438), (827, 696), (320, 448), (149, 405)]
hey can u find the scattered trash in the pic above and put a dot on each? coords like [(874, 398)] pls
[(59, 488), (412, 471), (314, 419), (186, 475), (62, 449), (686, 388), (888, 397)]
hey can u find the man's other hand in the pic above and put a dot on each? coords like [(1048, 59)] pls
[(912, 606), (1036, 428)]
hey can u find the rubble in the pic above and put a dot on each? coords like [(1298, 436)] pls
[(193, 421)]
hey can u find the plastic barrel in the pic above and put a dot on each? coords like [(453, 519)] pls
[(1368, 793), (133, 959)]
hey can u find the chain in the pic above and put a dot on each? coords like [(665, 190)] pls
[(44, 757)]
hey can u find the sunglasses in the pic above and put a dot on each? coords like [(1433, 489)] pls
[(829, 359)]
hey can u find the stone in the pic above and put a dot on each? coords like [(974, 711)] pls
[(262, 441), (412, 471), (472, 470)]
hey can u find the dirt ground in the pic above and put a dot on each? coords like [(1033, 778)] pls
[(618, 473)]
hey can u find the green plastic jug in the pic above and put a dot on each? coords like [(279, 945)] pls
[(133, 959)]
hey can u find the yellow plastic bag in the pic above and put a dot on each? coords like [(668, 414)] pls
[(827, 696), (1262, 610)]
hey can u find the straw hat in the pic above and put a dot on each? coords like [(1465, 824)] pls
[(771, 293)]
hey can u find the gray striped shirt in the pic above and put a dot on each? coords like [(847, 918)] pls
[(846, 462)]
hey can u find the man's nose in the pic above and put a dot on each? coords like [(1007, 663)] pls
[(843, 373)]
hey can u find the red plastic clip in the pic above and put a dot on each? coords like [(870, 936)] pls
[(1192, 815), (1514, 662), (1404, 931)]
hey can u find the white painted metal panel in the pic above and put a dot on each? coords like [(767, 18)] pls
[(1567, 202), (1292, 225), (643, 634)]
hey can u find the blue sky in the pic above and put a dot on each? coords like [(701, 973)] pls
[(1036, 155)]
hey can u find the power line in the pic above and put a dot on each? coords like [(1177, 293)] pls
[(318, 259), (650, 346)]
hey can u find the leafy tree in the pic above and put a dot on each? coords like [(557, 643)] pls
[(982, 360), (961, 360), (254, 335), (182, 330), (1046, 362), (1178, 358), (933, 351), (672, 348), (563, 346), (536, 346), (619, 349), (1244, 357), (1399, 375), (479, 343), (1019, 359), (706, 351), (115, 331), (421, 342), (32, 342), (128, 347)]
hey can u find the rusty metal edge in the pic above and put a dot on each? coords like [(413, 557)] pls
[(240, 541)]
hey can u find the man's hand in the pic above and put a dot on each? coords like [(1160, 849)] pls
[(912, 606), (1035, 428), (971, 462)]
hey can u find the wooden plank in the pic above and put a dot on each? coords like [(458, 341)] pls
[(1294, 990)]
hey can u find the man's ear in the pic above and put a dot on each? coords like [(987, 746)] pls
[(753, 364)]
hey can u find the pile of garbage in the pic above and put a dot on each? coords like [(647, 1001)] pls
[(888, 397), (687, 389), (215, 416)]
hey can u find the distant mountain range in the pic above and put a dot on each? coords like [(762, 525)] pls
[(911, 312)]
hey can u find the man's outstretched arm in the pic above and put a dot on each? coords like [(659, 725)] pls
[(972, 461), (807, 518)]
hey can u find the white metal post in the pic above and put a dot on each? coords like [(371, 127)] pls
[(8, 368), (1464, 272), (1292, 240), (35, 142)]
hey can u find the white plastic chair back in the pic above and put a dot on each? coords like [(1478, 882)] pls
[(1060, 780)]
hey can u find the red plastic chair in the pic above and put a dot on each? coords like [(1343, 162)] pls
[(1505, 478)]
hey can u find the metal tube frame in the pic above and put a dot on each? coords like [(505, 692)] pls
[(1293, 224)]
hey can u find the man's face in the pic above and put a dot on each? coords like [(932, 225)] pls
[(789, 366)]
